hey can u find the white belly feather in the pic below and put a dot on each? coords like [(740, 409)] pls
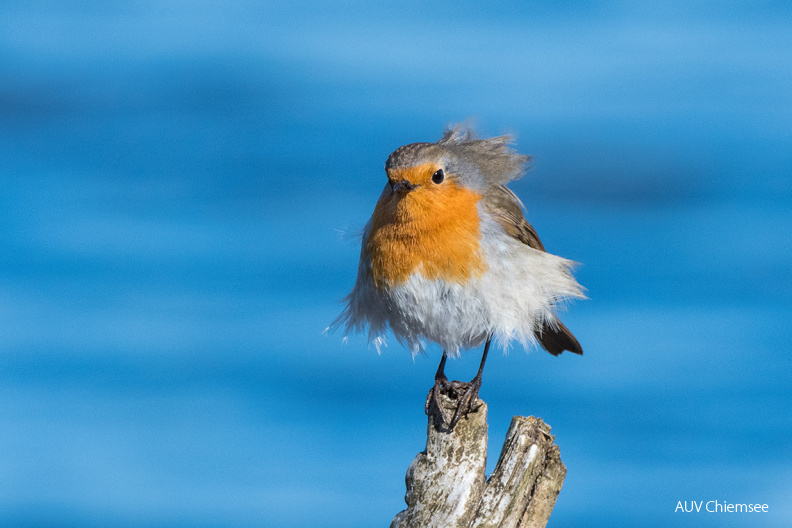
[(516, 295)]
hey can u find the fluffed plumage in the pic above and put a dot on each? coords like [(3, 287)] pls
[(448, 256)]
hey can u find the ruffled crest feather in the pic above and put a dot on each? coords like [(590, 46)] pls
[(496, 160)]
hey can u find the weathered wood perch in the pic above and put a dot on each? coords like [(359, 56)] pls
[(446, 483)]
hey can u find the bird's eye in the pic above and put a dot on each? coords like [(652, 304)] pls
[(438, 176)]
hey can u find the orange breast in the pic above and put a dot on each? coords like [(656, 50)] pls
[(433, 230)]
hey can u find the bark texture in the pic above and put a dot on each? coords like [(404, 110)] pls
[(446, 483)]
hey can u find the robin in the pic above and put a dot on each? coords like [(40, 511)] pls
[(448, 257)]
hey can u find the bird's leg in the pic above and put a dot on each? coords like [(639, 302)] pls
[(470, 395), (432, 401)]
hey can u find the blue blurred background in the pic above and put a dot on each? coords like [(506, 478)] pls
[(180, 186)]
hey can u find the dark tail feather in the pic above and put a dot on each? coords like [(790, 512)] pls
[(556, 340)]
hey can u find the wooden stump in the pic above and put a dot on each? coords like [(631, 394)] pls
[(446, 484)]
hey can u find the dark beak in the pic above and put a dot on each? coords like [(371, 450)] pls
[(401, 186)]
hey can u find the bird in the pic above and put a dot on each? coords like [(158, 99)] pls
[(449, 258)]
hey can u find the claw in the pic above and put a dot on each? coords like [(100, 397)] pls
[(465, 394), (465, 404), (433, 406)]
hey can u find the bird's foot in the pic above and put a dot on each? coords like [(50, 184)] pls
[(464, 393), (432, 407), (467, 399)]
